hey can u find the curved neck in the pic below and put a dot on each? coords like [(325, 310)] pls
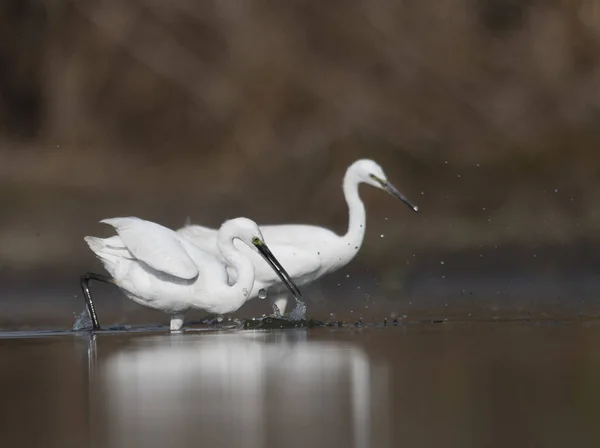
[(238, 293), (356, 210)]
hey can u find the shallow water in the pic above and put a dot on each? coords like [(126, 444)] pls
[(448, 384)]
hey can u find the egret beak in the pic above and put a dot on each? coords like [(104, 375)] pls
[(266, 253), (387, 186)]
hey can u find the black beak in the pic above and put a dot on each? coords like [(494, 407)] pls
[(281, 273), (387, 186)]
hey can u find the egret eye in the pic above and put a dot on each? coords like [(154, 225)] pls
[(256, 241), (377, 179)]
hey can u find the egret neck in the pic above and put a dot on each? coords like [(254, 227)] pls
[(353, 238), (237, 294)]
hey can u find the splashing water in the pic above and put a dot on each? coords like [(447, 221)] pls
[(298, 313), (82, 322)]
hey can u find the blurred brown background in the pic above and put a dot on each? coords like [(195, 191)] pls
[(486, 113)]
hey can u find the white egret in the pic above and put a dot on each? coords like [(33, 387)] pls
[(157, 268), (308, 252)]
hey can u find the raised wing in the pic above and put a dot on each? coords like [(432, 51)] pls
[(155, 245)]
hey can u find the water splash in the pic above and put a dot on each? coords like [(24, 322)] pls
[(298, 313), (82, 322)]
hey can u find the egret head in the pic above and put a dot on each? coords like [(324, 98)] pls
[(249, 233), (246, 230), (371, 173)]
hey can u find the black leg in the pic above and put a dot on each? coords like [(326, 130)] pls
[(85, 287)]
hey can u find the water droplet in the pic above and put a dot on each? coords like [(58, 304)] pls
[(556, 190), (347, 275), (220, 319), (262, 293), (442, 262), (381, 235)]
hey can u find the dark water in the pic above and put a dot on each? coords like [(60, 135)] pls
[(450, 384)]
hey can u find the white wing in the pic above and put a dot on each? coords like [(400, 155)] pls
[(155, 245), (297, 263), (203, 237), (297, 235), (289, 243)]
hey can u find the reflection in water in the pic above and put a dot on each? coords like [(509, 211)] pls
[(450, 385), (248, 389)]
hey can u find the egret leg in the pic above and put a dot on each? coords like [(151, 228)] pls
[(85, 287), (176, 322)]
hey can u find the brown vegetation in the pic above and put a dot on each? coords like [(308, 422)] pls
[(485, 112)]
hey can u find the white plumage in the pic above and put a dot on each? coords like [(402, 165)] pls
[(158, 268), (308, 252)]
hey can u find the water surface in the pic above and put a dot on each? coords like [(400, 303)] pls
[(448, 384)]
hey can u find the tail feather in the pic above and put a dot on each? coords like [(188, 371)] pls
[(111, 252)]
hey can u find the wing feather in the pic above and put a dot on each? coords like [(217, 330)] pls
[(155, 245)]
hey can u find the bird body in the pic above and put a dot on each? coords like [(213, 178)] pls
[(307, 251), (158, 268)]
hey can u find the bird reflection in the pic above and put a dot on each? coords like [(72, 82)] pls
[(250, 389)]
